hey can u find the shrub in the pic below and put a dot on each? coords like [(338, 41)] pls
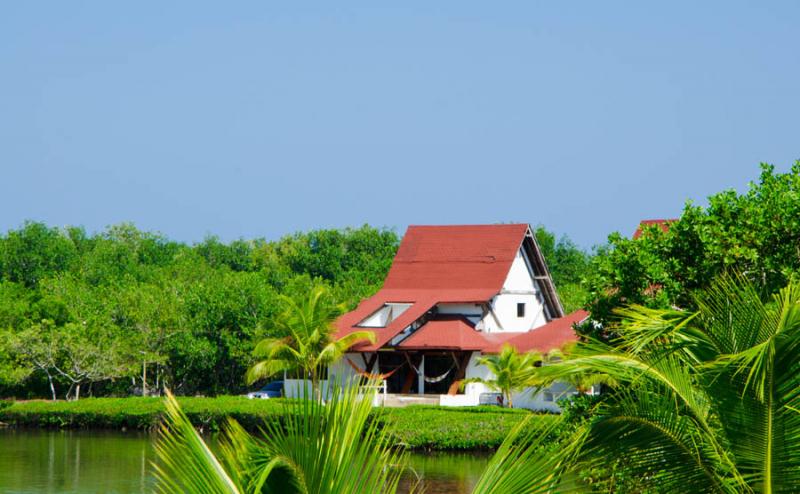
[(418, 427)]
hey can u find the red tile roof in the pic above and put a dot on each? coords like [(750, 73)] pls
[(455, 257), (663, 223), (554, 334), (455, 333), (437, 264)]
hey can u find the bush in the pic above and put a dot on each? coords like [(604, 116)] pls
[(136, 413), (431, 427), (418, 427)]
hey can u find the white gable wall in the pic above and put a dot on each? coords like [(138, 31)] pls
[(519, 287)]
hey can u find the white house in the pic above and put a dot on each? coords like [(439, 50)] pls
[(455, 293)]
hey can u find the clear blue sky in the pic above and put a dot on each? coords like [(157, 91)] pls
[(257, 119)]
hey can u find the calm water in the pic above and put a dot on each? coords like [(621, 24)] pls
[(82, 462)]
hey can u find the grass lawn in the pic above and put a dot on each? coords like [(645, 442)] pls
[(427, 427)]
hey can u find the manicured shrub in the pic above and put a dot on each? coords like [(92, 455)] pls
[(418, 427)]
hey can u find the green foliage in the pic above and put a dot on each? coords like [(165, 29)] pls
[(342, 446), (314, 447), (568, 264), (151, 312), (33, 252), (755, 233), (416, 427), (705, 401), (306, 339), (511, 371), (437, 428)]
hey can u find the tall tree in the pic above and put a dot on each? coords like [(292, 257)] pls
[(33, 252)]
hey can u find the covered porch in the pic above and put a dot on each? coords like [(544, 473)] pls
[(414, 372)]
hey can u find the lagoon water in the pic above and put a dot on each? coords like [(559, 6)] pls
[(88, 462)]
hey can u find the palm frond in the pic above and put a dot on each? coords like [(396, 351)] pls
[(535, 458), (185, 463), (267, 368), (335, 447)]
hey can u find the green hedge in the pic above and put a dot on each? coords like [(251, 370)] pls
[(431, 427), (136, 412), (419, 427)]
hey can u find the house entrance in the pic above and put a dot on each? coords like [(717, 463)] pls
[(441, 371)]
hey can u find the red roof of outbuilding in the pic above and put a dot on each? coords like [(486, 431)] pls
[(454, 333), (662, 223)]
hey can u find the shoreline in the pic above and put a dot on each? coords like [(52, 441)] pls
[(418, 427)]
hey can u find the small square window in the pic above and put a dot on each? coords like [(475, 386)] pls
[(521, 310)]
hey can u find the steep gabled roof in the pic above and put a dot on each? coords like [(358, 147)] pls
[(455, 257), (440, 264)]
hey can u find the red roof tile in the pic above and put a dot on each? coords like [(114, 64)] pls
[(454, 333), (552, 335), (455, 257), (663, 223)]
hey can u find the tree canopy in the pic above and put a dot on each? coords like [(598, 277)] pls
[(128, 310), (755, 233)]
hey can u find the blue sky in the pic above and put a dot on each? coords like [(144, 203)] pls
[(256, 119)]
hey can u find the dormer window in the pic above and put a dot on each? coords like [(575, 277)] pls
[(521, 310), (385, 315)]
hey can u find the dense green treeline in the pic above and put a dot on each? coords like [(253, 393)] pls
[(128, 311), (125, 309)]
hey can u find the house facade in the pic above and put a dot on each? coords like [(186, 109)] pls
[(453, 294)]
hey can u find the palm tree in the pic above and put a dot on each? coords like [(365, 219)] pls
[(313, 448), (309, 344), (703, 401), (511, 371)]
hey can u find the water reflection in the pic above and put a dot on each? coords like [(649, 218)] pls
[(84, 462), (74, 462)]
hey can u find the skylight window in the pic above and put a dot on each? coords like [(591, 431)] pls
[(385, 315)]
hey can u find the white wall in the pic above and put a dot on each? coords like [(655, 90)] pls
[(341, 371), (463, 309), (530, 399), (544, 400), (386, 314), (519, 287), (377, 319)]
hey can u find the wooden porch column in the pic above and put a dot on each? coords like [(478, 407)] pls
[(461, 372), (410, 376)]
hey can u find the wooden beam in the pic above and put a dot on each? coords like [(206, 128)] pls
[(371, 363), (461, 373), (412, 374)]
